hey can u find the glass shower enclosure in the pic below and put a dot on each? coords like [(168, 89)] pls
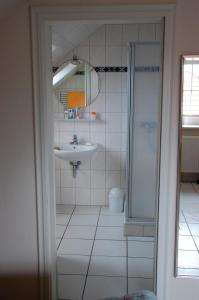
[(144, 130)]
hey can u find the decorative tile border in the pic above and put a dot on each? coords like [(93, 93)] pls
[(117, 69), (110, 69)]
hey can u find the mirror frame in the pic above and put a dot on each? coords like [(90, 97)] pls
[(85, 61)]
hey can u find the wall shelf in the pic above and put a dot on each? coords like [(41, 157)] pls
[(71, 120)]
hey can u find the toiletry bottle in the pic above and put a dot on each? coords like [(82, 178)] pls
[(65, 114)]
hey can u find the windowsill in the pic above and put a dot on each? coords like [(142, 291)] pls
[(190, 127)]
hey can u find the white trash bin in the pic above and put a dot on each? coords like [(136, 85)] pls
[(116, 200)]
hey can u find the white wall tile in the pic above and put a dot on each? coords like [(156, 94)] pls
[(130, 33), (100, 124), (57, 178), (113, 82), (98, 161), (124, 87), (113, 141), (99, 104), (83, 179), (98, 37), (67, 179), (113, 56), (146, 32), (125, 51), (158, 32), (113, 179), (113, 161), (67, 196), (113, 34), (83, 53), (97, 179), (100, 139), (113, 122), (83, 196), (124, 122), (113, 102), (98, 197), (58, 195), (97, 56)]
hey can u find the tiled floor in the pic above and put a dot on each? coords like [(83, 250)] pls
[(95, 260), (188, 248)]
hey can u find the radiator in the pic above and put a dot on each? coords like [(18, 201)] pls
[(190, 154)]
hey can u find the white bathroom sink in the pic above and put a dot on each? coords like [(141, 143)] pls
[(78, 152)]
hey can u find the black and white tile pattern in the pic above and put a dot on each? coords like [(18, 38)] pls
[(95, 260)]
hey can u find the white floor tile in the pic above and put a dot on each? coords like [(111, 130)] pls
[(106, 211), (57, 242), (137, 284), (188, 272), (87, 210), (196, 240), (62, 219), (188, 259), (140, 249), (60, 231), (64, 209), (84, 220), (108, 266), (72, 264), (140, 267), (194, 228), (186, 243), (70, 286), (99, 287), (183, 229), (191, 217), (80, 232), (111, 220), (77, 247), (110, 233), (109, 248)]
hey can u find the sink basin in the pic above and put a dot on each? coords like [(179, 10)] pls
[(79, 152)]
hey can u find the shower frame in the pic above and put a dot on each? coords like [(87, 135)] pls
[(129, 171)]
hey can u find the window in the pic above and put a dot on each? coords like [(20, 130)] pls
[(190, 93)]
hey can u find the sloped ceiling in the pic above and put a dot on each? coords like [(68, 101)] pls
[(68, 35)]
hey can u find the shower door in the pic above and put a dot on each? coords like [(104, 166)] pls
[(144, 127)]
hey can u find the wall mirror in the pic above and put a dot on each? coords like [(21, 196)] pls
[(187, 225), (76, 83)]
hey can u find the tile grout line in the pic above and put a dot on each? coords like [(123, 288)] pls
[(190, 233), (66, 227), (90, 256)]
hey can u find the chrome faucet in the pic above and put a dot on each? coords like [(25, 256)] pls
[(75, 140)]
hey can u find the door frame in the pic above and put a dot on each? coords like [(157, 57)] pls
[(43, 126)]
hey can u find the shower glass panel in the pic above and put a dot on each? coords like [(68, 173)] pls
[(145, 91)]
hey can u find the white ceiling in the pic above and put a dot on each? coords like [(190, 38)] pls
[(68, 35)]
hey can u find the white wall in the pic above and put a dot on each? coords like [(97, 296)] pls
[(18, 228), (18, 220)]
